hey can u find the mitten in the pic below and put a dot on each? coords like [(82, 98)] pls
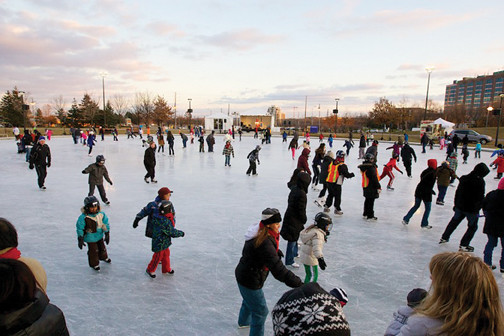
[(80, 242), (401, 172), (322, 263), (83, 172), (31, 166), (135, 222), (107, 238), (183, 233), (48, 164), (280, 254), (111, 183)]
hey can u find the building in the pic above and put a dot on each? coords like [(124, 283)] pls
[(474, 93)]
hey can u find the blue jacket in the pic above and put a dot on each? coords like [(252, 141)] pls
[(162, 232), (148, 211), (92, 226)]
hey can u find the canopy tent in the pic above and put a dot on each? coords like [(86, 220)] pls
[(218, 122), (445, 124)]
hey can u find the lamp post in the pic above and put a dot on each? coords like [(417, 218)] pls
[(189, 110), (489, 110), (319, 118), (335, 112), (498, 123), (104, 74), (294, 115), (429, 71)]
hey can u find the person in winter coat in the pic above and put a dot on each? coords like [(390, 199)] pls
[(293, 145), (40, 159), (316, 162), (373, 150), (468, 201), (163, 230), (453, 307), (396, 150), (148, 211), (9, 250), (494, 224), (27, 141), (150, 163), (97, 171), (477, 151), (92, 225), (330, 140), (295, 217), (499, 163), (201, 141), (348, 145), (91, 140), (171, 142), (424, 140), (312, 240), (362, 146), (227, 152), (24, 308), (371, 187), (337, 172), (210, 140), (407, 153), (161, 143), (303, 161), (423, 193), (253, 156), (324, 171), (453, 163), (388, 170), (260, 255), (284, 136), (414, 298), (443, 175), (465, 153), (455, 141)]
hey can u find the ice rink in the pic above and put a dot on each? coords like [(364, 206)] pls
[(377, 263)]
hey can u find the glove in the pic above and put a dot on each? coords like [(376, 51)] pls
[(31, 166), (341, 295), (107, 238), (280, 254), (80, 242), (351, 175), (111, 183), (135, 222), (183, 233), (49, 165), (83, 172), (401, 172), (322, 263)]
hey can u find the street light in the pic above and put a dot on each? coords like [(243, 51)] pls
[(104, 74), (429, 70), (189, 110), (498, 123), (489, 110), (335, 112)]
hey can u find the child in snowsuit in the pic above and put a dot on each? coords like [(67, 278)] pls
[(388, 170), (227, 152), (151, 208), (477, 151), (499, 163), (443, 175), (91, 142), (453, 164), (97, 171), (313, 239), (162, 232), (253, 156), (415, 297), (330, 140), (92, 225), (293, 146)]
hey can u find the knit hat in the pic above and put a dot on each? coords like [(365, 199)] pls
[(164, 191), (41, 138), (270, 216), (416, 296), (309, 310), (501, 184)]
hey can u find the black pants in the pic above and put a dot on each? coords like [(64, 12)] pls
[(150, 171), (90, 149), (170, 149), (369, 207), (324, 189), (41, 173), (334, 195), (101, 190), (316, 173), (252, 168), (96, 252), (407, 165)]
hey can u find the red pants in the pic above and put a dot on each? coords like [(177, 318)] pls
[(390, 175), (293, 149), (164, 258)]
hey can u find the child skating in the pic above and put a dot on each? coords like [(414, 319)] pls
[(97, 171), (227, 152), (499, 163), (388, 170), (253, 156)]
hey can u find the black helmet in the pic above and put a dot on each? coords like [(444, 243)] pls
[(323, 221), (340, 154), (100, 158), (91, 201), (165, 207), (369, 157)]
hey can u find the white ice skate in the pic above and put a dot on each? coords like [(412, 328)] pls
[(320, 201)]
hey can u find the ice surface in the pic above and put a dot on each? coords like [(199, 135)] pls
[(376, 263)]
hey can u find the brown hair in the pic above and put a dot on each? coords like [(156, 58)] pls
[(262, 234), (17, 285), (8, 234)]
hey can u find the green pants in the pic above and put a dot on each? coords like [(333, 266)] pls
[(308, 272)]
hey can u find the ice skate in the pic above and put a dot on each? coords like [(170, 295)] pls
[(390, 188), (169, 272), (319, 201), (108, 260), (427, 227), (466, 248), (338, 212), (96, 268), (152, 275), (443, 241), (326, 209), (154, 181), (372, 219)]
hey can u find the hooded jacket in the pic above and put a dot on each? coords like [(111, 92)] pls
[(324, 167), (494, 213), (295, 215), (407, 153), (313, 240), (150, 156), (427, 181), (96, 174), (303, 161), (92, 226), (471, 189), (369, 172)]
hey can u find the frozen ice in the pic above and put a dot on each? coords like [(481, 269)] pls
[(377, 263)]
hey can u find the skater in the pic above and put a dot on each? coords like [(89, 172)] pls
[(97, 171), (316, 162), (140, 131), (201, 141), (348, 145), (284, 136), (324, 171), (150, 163), (431, 144), (388, 170), (423, 193), (210, 140), (465, 153), (303, 161), (307, 137), (477, 151), (227, 152), (161, 143), (453, 163), (163, 230), (240, 132), (444, 174), (370, 185), (494, 226), (499, 164), (373, 150), (48, 133), (362, 146), (407, 152), (27, 142), (455, 141), (91, 139), (260, 255), (313, 239), (40, 159), (293, 145), (468, 201), (253, 156), (320, 137), (396, 150), (92, 226), (295, 217), (171, 142), (337, 172), (102, 133), (330, 140), (414, 298), (148, 211), (424, 140), (184, 139), (442, 143)]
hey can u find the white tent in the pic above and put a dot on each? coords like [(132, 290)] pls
[(445, 124), (219, 122)]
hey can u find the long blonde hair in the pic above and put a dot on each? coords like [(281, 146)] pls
[(464, 295)]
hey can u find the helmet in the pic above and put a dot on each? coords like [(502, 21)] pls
[(323, 221), (91, 201), (100, 159), (165, 207), (340, 154), (369, 157)]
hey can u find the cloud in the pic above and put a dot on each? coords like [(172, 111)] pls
[(165, 29), (242, 40)]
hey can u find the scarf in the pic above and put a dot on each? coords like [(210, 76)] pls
[(13, 253), (272, 233)]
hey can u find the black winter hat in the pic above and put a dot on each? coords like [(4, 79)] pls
[(416, 296)]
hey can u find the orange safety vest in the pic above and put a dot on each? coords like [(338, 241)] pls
[(333, 174), (365, 179)]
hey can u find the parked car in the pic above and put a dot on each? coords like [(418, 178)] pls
[(471, 135)]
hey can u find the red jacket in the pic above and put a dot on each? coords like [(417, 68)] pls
[(499, 162), (303, 161), (390, 166)]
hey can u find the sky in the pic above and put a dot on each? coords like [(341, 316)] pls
[(239, 56)]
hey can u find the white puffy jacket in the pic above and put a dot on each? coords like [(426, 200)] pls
[(313, 240)]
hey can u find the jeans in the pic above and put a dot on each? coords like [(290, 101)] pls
[(411, 212), (441, 193), (491, 244), (472, 226), (28, 152), (227, 160), (253, 311), (291, 252)]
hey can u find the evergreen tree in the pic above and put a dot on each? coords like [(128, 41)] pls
[(75, 117), (11, 108)]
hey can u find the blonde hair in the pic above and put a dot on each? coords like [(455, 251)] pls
[(464, 295)]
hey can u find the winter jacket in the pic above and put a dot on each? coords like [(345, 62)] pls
[(148, 211), (444, 175), (419, 325), (324, 168), (319, 156), (396, 148), (256, 263), (92, 226), (400, 319), (295, 215), (210, 140), (162, 232), (33, 264), (407, 153), (40, 155), (390, 166), (337, 172), (228, 150), (91, 140), (373, 149), (427, 180), (160, 140), (96, 174), (453, 161), (27, 139), (499, 162), (170, 139), (303, 161), (293, 143), (362, 141), (254, 155), (150, 157), (370, 180), (39, 318), (471, 189), (313, 240), (494, 213)]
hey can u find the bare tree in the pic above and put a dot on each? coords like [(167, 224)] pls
[(59, 106), (143, 107), (120, 104)]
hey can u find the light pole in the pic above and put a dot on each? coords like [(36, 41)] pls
[(429, 71), (335, 112), (489, 109), (294, 116), (498, 123), (104, 74), (319, 118), (189, 110)]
